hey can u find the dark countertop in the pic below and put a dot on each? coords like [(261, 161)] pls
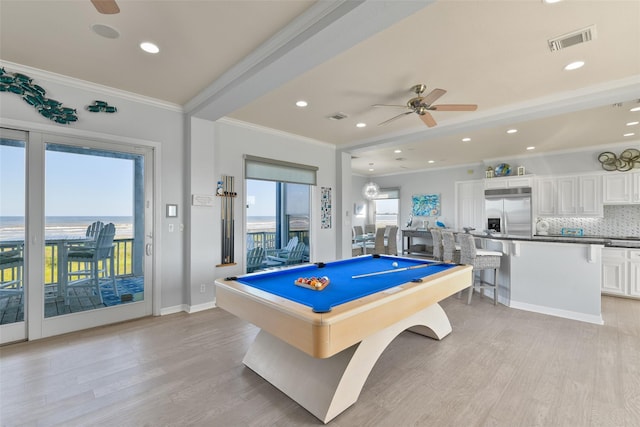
[(608, 241)]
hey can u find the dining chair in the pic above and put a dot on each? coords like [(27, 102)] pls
[(392, 241), (379, 246), (91, 263), (436, 236), (11, 272), (357, 229), (449, 251), (480, 260), (370, 228)]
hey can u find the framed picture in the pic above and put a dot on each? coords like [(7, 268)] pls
[(426, 205), (359, 209)]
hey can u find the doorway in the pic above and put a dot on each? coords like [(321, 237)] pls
[(86, 234)]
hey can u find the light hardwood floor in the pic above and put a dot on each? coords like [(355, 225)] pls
[(499, 367)]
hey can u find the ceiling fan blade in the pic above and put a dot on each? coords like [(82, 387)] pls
[(428, 119), (431, 97), (107, 7), (389, 105), (454, 107), (394, 118)]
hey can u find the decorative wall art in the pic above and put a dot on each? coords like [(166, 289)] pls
[(34, 95), (101, 107), (426, 205), (359, 209), (629, 159), (325, 207)]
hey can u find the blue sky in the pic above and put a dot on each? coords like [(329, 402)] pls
[(261, 198), (75, 184)]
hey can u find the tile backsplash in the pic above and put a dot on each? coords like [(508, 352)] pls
[(618, 221)]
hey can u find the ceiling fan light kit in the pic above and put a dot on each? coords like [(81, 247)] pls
[(421, 105)]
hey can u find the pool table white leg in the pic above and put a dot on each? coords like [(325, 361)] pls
[(326, 387)]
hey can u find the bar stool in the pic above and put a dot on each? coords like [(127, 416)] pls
[(480, 259), (449, 251), (436, 236)]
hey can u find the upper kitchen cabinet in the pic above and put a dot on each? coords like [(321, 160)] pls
[(577, 195), (621, 188), (509, 182)]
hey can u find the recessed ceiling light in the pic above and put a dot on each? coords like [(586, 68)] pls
[(629, 134), (531, 148), (301, 103), (361, 125), (551, 1), (149, 47), (105, 31), (632, 123), (635, 109), (370, 169), (397, 151), (466, 139), (512, 131), (431, 161), (574, 65)]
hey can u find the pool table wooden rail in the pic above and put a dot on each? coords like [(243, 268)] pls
[(322, 335)]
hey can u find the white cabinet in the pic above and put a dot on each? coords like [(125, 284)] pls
[(470, 205), (509, 182), (567, 195), (634, 273), (590, 195), (576, 195), (621, 272), (621, 188), (546, 196)]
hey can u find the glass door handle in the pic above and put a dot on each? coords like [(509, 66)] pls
[(148, 249)]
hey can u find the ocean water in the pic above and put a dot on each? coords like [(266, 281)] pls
[(62, 227)]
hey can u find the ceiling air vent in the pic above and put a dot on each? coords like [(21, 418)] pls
[(338, 116), (573, 38)]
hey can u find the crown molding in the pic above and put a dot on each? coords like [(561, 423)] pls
[(89, 86)]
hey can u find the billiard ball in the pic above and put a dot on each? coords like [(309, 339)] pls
[(394, 264)]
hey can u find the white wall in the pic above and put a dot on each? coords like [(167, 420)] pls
[(217, 149), (440, 182), (139, 120)]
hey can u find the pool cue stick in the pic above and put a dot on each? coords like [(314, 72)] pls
[(232, 231), (228, 231), (395, 270)]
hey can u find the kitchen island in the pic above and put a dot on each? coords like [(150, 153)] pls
[(550, 276)]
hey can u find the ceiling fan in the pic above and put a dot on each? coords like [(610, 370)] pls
[(107, 7), (421, 105)]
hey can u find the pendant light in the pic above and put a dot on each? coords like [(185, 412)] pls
[(370, 190)]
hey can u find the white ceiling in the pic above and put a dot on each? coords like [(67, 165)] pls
[(251, 60)]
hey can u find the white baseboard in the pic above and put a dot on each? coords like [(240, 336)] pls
[(187, 308), (573, 315), (173, 310), (201, 307)]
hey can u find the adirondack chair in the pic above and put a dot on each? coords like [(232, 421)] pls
[(255, 257)]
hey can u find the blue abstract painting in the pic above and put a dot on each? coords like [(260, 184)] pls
[(426, 205)]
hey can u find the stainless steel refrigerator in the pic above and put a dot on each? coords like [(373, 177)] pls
[(508, 211)]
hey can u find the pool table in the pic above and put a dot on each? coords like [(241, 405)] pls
[(318, 346)]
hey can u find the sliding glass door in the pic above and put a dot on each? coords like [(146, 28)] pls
[(12, 235), (85, 239)]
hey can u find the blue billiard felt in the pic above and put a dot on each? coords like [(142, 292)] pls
[(342, 288)]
